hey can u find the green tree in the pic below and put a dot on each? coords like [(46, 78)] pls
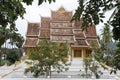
[(93, 62), (16, 39), (106, 34), (13, 56), (4, 35), (92, 13), (87, 65), (117, 57), (10, 10), (106, 39), (49, 56), (108, 47)]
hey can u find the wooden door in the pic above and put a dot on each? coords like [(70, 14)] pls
[(77, 53)]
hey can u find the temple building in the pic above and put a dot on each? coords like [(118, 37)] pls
[(59, 28)]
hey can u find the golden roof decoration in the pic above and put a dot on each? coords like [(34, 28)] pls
[(61, 9)]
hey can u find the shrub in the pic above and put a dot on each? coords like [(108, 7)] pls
[(13, 56)]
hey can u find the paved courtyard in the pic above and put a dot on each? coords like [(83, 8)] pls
[(75, 72)]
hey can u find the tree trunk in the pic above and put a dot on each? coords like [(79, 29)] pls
[(50, 71), (86, 69)]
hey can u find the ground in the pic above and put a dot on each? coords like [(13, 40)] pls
[(75, 72)]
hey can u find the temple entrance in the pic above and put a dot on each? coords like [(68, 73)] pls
[(77, 53)]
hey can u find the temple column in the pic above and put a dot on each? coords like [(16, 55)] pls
[(83, 53), (72, 54)]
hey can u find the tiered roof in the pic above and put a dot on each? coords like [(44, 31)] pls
[(33, 29), (59, 29), (44, 28)]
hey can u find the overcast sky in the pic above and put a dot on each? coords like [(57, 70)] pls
[(34, 11)]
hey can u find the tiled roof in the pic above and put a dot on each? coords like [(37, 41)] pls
[(93, 41), (59, 29), (31, 42), (57, 16), (33, 29), (45, 22), (82, 42), (91, 31), (44, 33), (78, 24), (79, 34)]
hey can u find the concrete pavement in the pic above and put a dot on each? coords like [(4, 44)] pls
[(75, 73)]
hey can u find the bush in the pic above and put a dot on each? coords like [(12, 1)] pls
[(13, 56), (1, 62)]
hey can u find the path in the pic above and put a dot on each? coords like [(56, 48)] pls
[(74, 73)]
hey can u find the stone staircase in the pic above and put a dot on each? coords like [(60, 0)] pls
[(76, 65)]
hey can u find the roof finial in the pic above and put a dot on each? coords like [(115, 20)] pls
[(61, 9)]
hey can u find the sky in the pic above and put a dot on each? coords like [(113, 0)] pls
[(33, 13)]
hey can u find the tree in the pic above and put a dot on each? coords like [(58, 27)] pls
[(96, 56), (108, 46), (105, 41), (16, 39), (4, 35), (117, 57), (92, 13), (10, 10), (13, 56), (106, 34), (87, 65), (49, 56)]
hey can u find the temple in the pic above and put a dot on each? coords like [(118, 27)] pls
[(59, 28)]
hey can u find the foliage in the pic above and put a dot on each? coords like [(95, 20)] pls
[(96, 56), (108, 47), (92, 12), (87, 65), (13, 56), (116, 24), (106, 39), (1, 62), (4, 35), (117, 57), (106, 34), (95, 49), (28, 2), (94, 68), (16, 39), (47, 56), (10, 10)]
